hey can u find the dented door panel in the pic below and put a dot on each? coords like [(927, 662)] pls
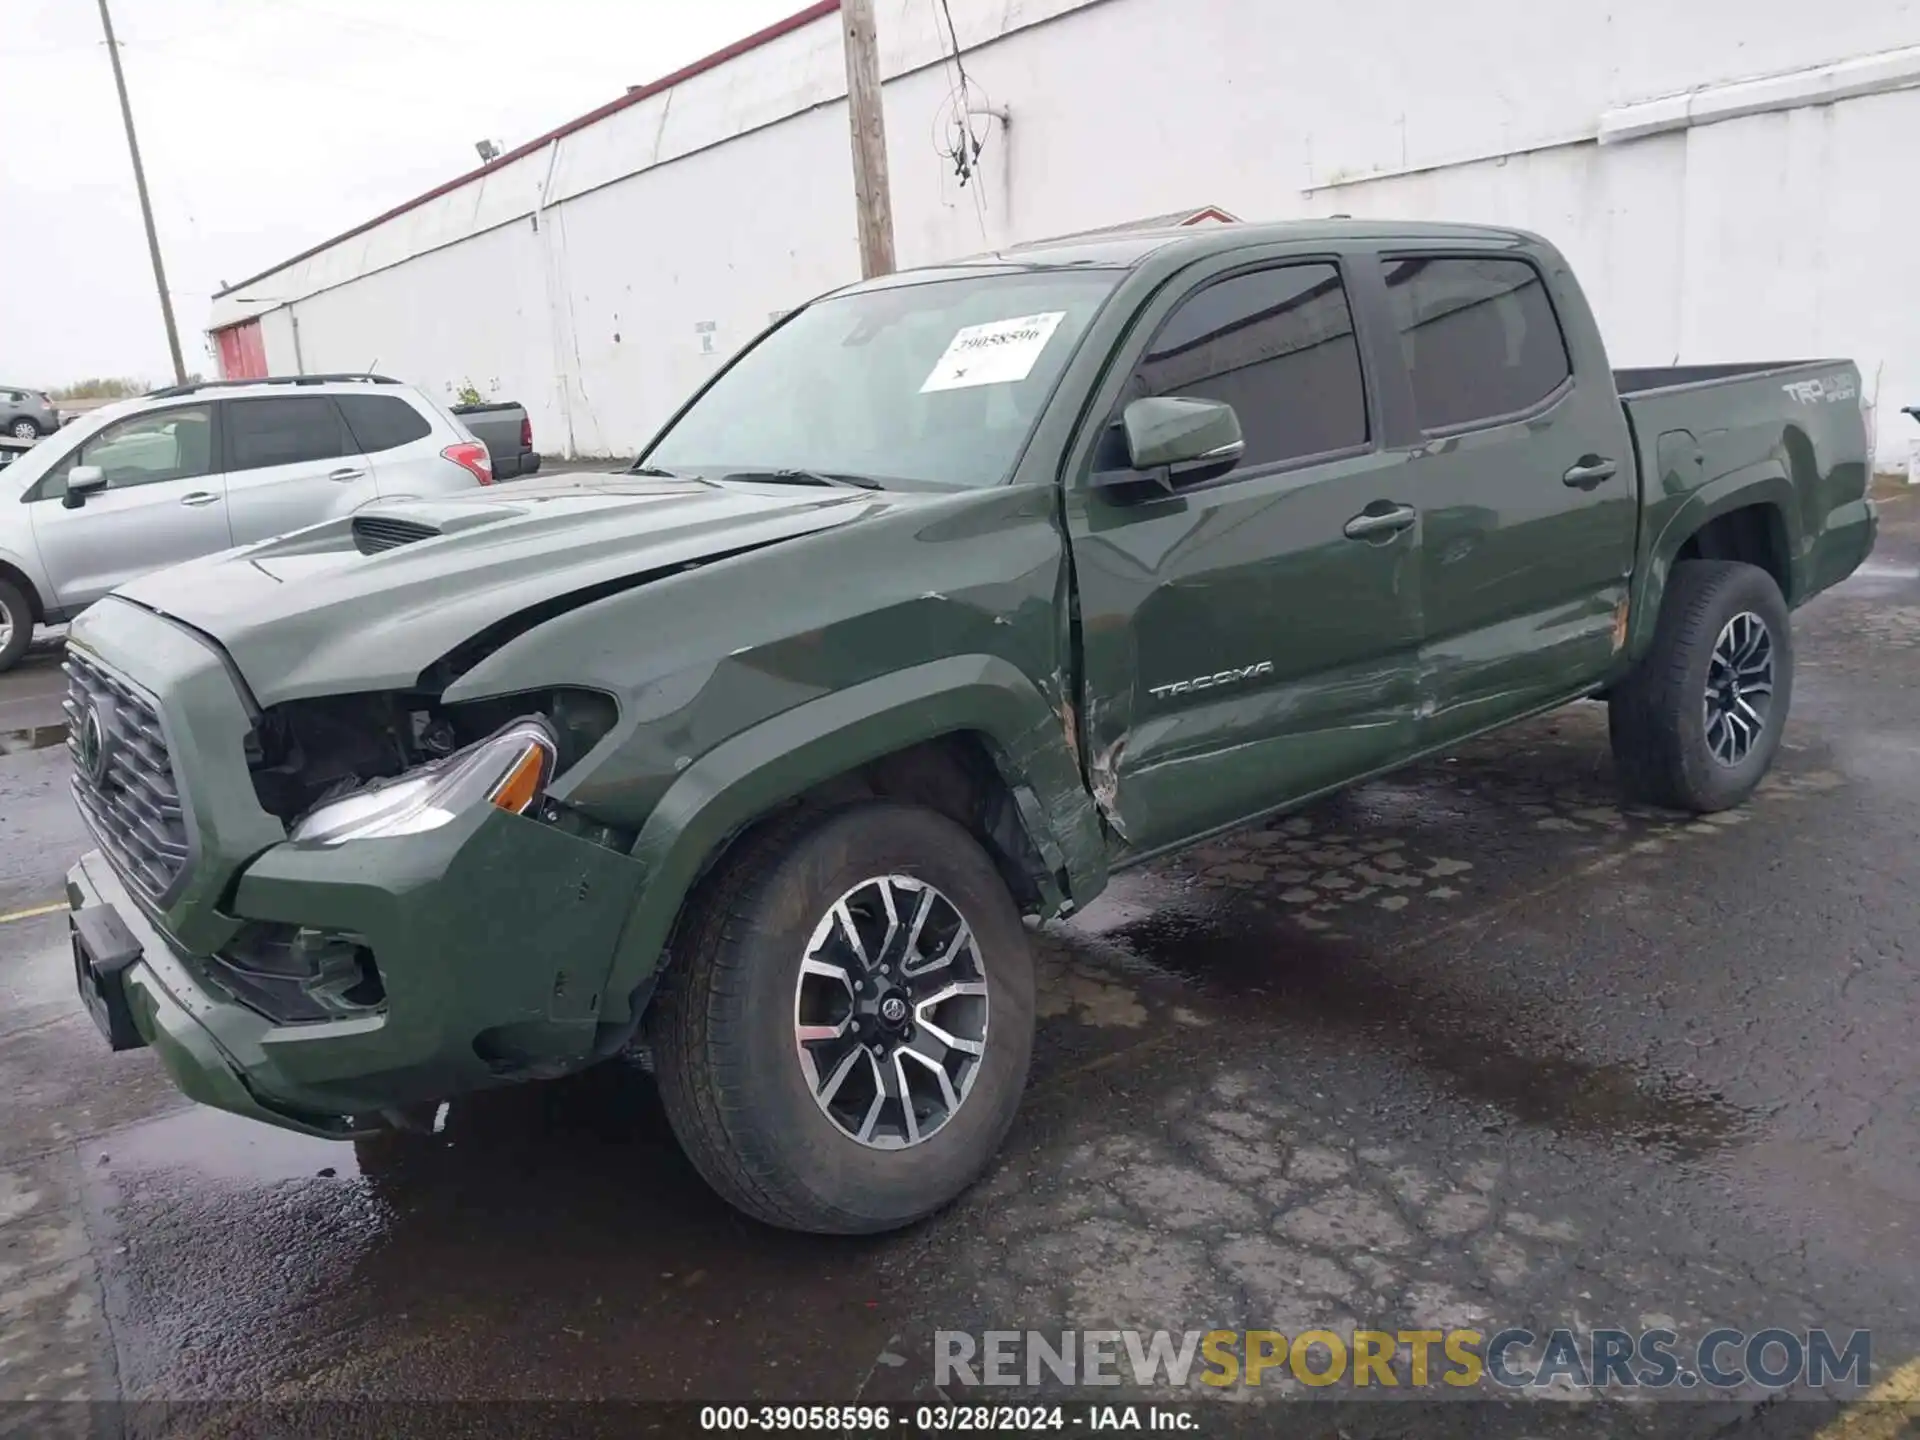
[(1239, 649)]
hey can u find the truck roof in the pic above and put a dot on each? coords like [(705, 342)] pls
[(1122, 250)]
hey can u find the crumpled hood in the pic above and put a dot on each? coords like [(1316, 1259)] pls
[(312, 614)]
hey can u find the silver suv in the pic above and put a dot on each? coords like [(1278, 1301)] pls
[(195, 469), (26, 414)]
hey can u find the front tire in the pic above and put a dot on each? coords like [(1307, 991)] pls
[(1698, 722), (842, 1035)]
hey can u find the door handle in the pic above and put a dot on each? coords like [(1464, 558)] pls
[(347, 474), (199, 497), (1368, 525), (1591, 470)]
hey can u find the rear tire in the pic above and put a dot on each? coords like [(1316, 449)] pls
[(729, 1024), (16, 625), (1698, 722), (26, 428)]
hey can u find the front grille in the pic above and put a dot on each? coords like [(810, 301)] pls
[(374, 533), (123, 776)]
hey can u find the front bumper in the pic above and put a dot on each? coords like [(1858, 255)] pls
[(493, 935), (516, 467), (170, 1010)]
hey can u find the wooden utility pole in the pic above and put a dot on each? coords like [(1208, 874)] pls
[(146, 205), (871, 195)]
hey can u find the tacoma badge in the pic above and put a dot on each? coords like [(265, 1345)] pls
[(1208, 682)]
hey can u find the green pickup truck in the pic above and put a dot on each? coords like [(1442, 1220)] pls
[(954, 593)]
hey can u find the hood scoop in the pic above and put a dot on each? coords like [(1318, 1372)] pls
[(374, 533), (389, 525)]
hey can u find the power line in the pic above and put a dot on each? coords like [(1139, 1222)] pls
[(963, 150), (954, 36)]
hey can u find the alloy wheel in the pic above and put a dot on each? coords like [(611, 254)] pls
[(890, 1012), (1740, 679)]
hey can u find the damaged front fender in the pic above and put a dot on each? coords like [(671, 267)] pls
[(783, 758)]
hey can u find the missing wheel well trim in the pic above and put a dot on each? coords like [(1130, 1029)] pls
[(955, 776)]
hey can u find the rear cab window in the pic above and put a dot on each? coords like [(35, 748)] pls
[(1479, 337)]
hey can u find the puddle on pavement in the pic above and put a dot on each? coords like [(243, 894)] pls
[(1233, 954), (33, 737), (550, 1241)]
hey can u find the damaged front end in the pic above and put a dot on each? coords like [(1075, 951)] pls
[(309, 757), (348, 768)]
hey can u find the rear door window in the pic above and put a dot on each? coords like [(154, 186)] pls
[(382, 422), (284, 431), (1479, 336)]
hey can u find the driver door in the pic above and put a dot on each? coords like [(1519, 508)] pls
[(165, 502), (1245, 641)]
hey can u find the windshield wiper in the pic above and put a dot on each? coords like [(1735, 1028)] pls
[(656, 472), (804, 477)]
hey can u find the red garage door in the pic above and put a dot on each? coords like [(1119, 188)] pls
[(243, 351)]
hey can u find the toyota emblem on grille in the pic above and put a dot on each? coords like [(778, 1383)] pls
[(93, 744)]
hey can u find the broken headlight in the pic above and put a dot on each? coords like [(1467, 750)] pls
[(508, 769)]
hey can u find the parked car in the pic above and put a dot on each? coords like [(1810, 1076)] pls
[(506, 430), (26, 414), (956, 592), (194, 469)]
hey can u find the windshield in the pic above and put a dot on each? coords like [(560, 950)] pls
[(938, 382)]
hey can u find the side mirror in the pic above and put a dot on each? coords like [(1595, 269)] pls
[(82, 481), (1179, 441)]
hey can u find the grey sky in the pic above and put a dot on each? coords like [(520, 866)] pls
[(267, 126)]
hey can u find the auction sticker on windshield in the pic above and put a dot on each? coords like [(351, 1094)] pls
[(997, 353)]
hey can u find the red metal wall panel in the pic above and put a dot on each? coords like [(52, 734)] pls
[(243, 351)]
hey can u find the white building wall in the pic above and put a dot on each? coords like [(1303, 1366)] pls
[(1775, 236), (472, 313), (723, 240), (283, 350), (574, 278)]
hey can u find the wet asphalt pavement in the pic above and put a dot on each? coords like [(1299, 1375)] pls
[(1470, 1046)]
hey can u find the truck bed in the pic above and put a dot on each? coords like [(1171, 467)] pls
[(1786, 439), (498, 426)]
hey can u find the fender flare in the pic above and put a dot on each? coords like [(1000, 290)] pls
[(781, 758), (1765, 483)]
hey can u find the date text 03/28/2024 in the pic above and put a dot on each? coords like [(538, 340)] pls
[(946, 1419)]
